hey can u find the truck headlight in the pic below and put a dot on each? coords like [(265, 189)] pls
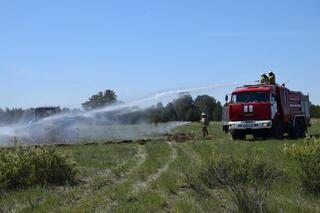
[(232, 126), (268, 124)]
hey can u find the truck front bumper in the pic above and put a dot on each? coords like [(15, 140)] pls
[(265, 124)]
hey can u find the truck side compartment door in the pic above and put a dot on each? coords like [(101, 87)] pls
[(283, 103)]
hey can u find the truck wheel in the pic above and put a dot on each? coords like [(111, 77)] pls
[(238, 135), (291, 130), (278, 130), (302, 129), (294, 132), (297, 131)]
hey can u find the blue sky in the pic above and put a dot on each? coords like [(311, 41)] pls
[(61, 52)]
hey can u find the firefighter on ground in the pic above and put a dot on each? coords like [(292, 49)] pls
[(272, 78), (264, 79), (204, 123)]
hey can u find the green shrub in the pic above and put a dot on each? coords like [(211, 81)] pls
[(248, 199), (229, 171), (245, 180), (308, 156), (26, 166)]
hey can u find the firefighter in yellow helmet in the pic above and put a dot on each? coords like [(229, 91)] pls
[(264, 79), (204, 123), (272, 78)]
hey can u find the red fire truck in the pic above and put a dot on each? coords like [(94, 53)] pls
[(266, 110)]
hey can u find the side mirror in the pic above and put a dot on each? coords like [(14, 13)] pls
[(227, 98)]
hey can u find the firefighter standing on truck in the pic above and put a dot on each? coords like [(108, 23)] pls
[(264, 79), (204, 123), (272, 78)]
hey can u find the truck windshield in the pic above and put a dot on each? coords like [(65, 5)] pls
[(247, 97)]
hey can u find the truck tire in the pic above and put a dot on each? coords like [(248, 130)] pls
[(238, 135), (298, 130), (291, 130), (302, 129), (294, 132), (278, 130)]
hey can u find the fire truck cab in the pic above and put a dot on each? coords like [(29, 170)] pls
[(267, 110)]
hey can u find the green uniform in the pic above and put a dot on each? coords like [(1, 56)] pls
[(264, 79), (272, 79)]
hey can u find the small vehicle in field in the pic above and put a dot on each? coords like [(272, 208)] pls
[(55, 130), (44, 112), (266, 110)]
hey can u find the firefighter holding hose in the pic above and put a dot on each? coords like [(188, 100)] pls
[(204, 123)]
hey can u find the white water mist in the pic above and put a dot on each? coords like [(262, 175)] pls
[(70, 126)]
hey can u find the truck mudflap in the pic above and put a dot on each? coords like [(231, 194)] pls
[(242, 125)]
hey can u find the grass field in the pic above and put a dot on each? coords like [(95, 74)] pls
[(154, 177)]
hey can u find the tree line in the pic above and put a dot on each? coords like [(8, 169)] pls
[(18, 115), (184, 108), (315, 111), (15, 115)]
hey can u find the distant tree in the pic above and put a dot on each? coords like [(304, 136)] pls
[(315, 111), (210, 106), (156, 118), (192, 114), (182, 105), (2, 115), (169, 113), (185, 109), (27, 115), (155, 113), (129, 118), (159, 106), (206, 104), (217, 112), (99, 100), (65, 110), (15, 115)]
